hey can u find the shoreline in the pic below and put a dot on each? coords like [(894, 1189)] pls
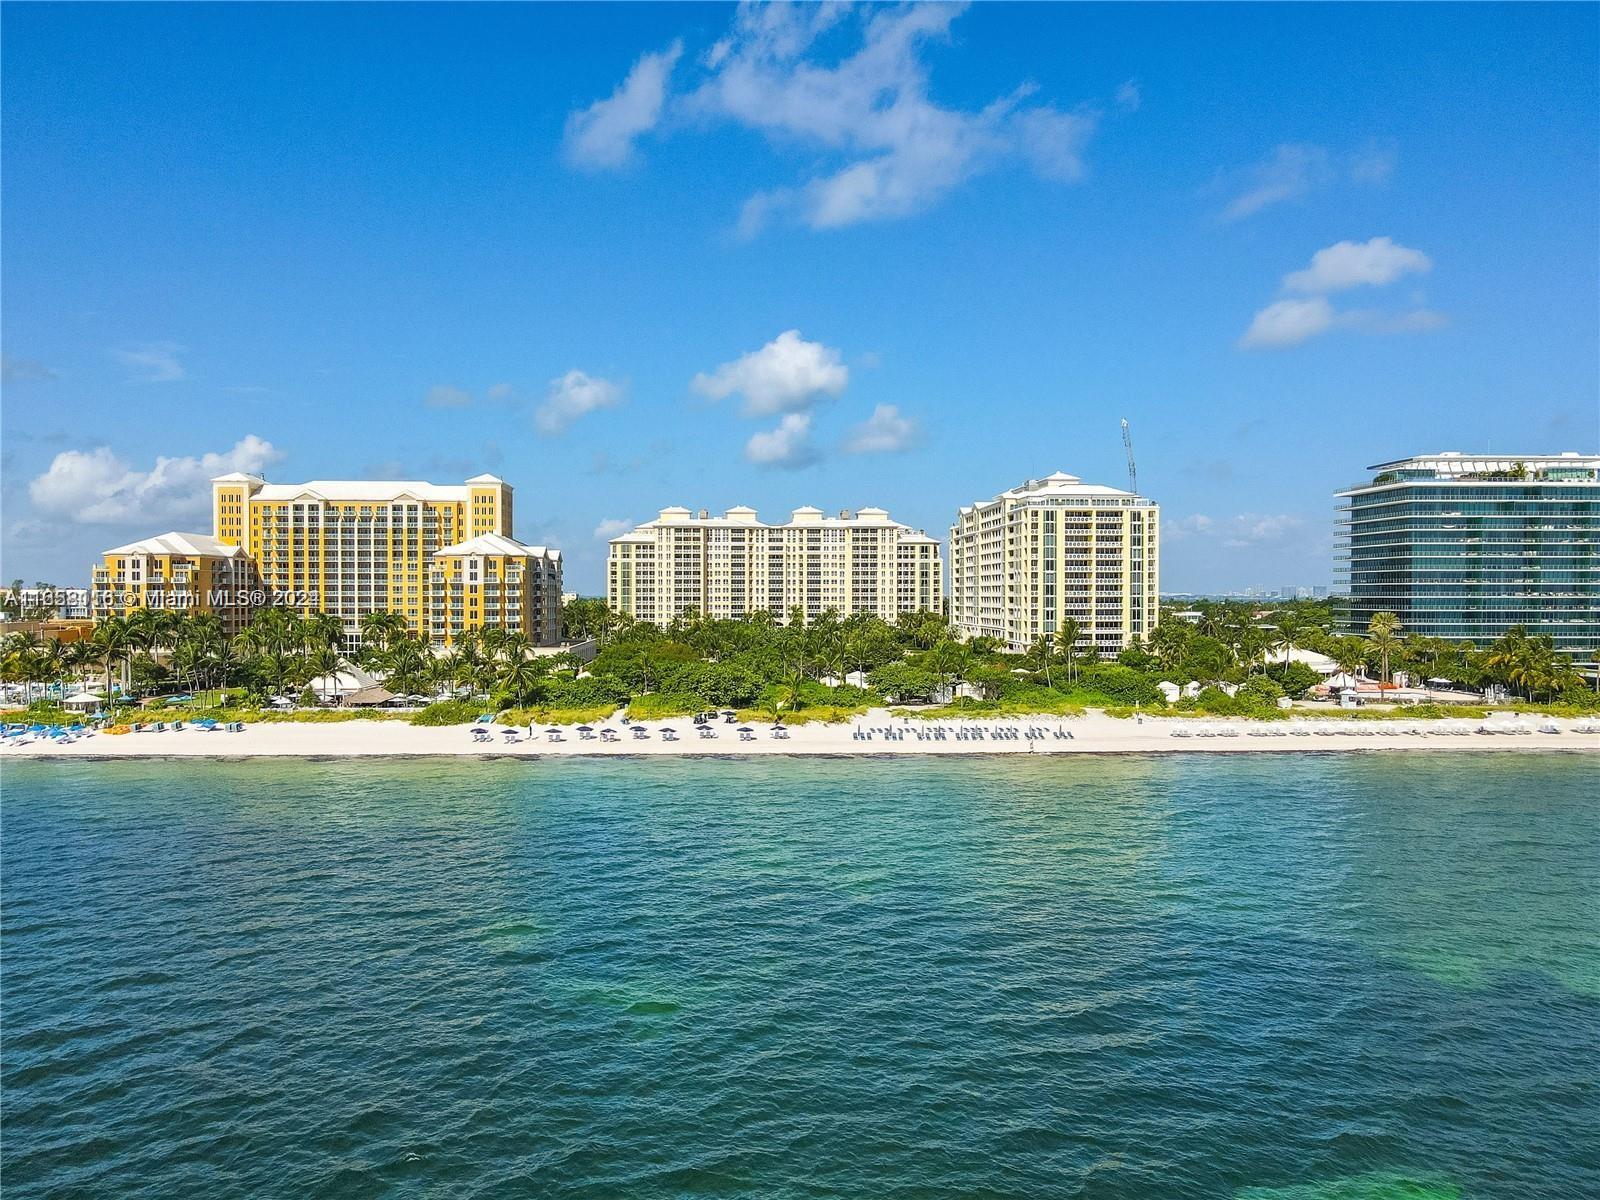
[(1093, 733)]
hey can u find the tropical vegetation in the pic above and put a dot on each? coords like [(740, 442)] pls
[(1229, 657)]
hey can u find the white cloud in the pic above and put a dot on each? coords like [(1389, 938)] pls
[(96, 487), (1187, 526), (1296, 169), (612, 527), (884, 432), (501, 391), (897, 151), (1253, 529), (1244, 529), (152, 362), (1419, 320), (1291, 172), (602, 135), (445, 396), (1357, 264), (573, 395), (788, 445), (786, 374), (1344, 265), (16, 370), (1128, 96), (1373, 164), (1289, 322)]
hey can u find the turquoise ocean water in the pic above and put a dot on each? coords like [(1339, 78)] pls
[(1293, 977)]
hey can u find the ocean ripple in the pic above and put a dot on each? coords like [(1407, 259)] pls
[(1263, 977)]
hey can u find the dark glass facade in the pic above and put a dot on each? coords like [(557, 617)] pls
[(1464, 549)]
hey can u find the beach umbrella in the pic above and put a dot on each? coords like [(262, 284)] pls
[(553, 729), (745, 729), (637, 728), (673, 732), (585, 728)]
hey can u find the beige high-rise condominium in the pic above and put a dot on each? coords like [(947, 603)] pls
[(1053, 549), (735, 565)]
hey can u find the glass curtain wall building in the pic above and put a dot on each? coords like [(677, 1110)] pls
[(1463, 547)]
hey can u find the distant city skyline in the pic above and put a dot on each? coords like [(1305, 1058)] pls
[(638, 256)]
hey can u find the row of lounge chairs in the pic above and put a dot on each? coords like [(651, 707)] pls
[(703, 726), (66, 735), (1377, 729), (960, 731), (63, 735)]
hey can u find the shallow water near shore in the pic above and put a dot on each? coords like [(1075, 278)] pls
[(1278, 977)]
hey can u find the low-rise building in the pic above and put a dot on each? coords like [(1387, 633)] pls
[(45, 603)]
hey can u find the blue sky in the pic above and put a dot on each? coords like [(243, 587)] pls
[(629, 257)]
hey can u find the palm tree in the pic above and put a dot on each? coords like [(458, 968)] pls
[(112, 640), (23, 651), (186, 659), (275, 643), (1349, 654), (53, 663), (493, 640), (1287, 634), (322, 629), (219, 657), (407, 662), (323, 662), (378, 629), (1066, 638), (1040, 655), (1169, 641), (1384, 629), (950, 660)]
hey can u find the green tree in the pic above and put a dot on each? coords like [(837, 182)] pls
[(1384, 629), (1067, 636)]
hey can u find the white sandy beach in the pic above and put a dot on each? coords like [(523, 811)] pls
[(1091, 734)]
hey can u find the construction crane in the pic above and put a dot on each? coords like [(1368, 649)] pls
[(1127, 444)]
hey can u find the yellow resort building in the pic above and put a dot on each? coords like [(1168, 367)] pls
[(492, 581), (1051, 549), (187, 572), (353, 547), (735, 565)]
